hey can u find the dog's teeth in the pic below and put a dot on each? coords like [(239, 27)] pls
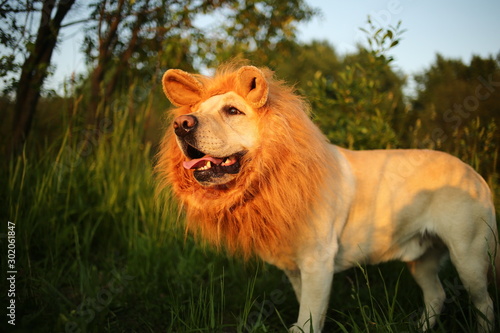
[(228, 161), (206, 166)]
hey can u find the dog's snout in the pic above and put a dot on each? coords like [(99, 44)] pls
[(184, 124)]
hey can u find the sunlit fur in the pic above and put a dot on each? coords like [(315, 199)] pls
[(315, 209), (264, 210)]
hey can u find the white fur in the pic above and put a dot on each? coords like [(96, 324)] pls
[(410, 205)]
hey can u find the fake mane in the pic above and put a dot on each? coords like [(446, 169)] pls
[(267, 206)]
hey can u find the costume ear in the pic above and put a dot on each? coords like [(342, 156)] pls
[(252, 85), (181, 88)]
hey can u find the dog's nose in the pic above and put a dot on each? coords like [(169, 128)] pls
[(184, 124)]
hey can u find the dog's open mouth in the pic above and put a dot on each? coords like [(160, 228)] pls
[(207, 162), (210, 169)]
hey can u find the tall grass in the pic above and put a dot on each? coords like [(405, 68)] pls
[(97, 253)]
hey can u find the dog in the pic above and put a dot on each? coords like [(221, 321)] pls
[(256, 176)]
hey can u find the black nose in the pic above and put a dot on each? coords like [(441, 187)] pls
[(184, 124)]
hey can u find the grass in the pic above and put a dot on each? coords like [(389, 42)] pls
[(95, 252)]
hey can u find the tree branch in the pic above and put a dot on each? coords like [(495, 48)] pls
[(76, 22)]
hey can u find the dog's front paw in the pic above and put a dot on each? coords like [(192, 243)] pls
[(297, 329)]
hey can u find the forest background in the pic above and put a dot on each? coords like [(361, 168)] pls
[(97, 252)]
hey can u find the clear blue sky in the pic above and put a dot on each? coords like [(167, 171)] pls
[(456, 29)]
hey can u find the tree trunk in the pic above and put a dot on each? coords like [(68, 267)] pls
[(34, 71), (106, 40)]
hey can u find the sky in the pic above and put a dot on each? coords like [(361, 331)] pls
[(456, 29)]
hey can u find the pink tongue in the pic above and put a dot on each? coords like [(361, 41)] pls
[(193, 164)]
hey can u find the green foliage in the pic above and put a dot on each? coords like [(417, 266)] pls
[(359, 106), (15, 38), (456, 109), (382, 40), (257, 29), (298, 63), (97, 251), (126, 40)]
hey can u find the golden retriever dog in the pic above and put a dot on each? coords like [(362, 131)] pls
[(255, 176)]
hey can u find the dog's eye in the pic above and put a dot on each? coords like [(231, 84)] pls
[(232, 111)]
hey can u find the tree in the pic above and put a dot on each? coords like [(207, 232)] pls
[(129, 42), (133, 39), (258, 30), (34, 70), (124, 38), (449, 85), (359, 104), (457, 109), (299, 63)]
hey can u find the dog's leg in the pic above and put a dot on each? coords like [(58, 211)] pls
[(470, 246), (316, 276), (472, 264), (425, 271), (294, 277)]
